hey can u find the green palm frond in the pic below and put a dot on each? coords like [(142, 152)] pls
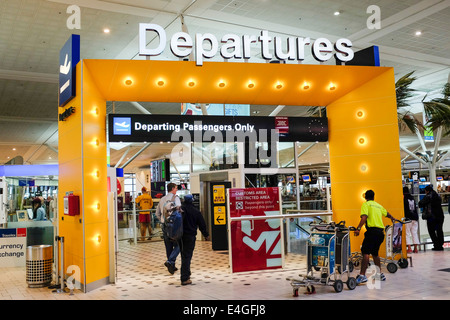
[(437, 111), (407, 120), (438, 115), (403, 92)]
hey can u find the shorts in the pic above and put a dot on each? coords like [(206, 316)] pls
[(144, 218), (373, 238)]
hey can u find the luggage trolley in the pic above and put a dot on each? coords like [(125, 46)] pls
[(394, 246), (328, 253)]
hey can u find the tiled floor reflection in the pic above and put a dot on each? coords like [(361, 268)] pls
[(141, 274)]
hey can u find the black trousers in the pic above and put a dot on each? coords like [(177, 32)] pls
[(187, 249), (436, 232)]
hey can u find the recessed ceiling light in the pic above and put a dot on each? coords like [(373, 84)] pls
[(106, 30), (418, 33), (336, 13), (306, 85)]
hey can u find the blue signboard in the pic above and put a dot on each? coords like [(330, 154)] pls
[(122, 126), (69, 56)]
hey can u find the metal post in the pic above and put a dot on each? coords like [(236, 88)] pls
[(134, 211), (62, 263), (61, 256)]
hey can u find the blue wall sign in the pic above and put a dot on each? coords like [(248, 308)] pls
[(122, 126), (69, 56)]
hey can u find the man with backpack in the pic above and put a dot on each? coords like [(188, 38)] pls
[(192, 219), (162, 213), (410, 208)]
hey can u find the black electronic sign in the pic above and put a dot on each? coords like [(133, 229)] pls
[(160, 170), (175, 128)]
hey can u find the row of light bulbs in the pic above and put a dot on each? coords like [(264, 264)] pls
[(222, 84)]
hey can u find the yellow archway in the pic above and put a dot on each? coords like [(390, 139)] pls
[(363, 133)]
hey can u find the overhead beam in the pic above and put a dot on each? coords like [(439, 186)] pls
[(29, 76), (137, 154)]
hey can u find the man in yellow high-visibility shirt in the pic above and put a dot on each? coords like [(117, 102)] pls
[(372, 214), (145, 202)]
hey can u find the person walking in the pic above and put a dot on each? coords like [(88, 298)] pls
[(371, 216), (145, 202), (410, 209), (192, 219), (432, 208), (172, 248)]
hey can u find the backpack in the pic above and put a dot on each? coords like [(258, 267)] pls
[(173, 220)]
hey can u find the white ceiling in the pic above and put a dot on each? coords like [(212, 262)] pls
[(32, 33)]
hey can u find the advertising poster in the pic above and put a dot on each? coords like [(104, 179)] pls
[(255, 244), (13, 243)]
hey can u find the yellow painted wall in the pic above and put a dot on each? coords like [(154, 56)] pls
[(70, 141), (82, 138), (95, 181), (369, 112), (82, 169)]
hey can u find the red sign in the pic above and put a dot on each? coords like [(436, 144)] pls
[(255, 244), (282, 124), (21, 232)]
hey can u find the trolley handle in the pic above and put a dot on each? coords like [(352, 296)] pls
[(403, 220), (321, 227)]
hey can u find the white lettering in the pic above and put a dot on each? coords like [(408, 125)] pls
[(322, 53), (74, 21), (247, 40), (265, 39), (343, 51), (290, 54), (235, 45), (181, 49), (199, 50), (301, 43), (143, 28), (374, 21), (181, 45)]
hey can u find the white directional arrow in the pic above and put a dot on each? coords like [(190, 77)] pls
[(65, 68)]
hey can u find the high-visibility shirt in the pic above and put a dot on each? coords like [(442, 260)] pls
[(375, 213), (145, 201)]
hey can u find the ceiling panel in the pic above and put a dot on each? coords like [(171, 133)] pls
[(432, 40), (33, 31)]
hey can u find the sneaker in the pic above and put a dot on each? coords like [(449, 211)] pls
[(381, 276), (361, 279), (188, 281)]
